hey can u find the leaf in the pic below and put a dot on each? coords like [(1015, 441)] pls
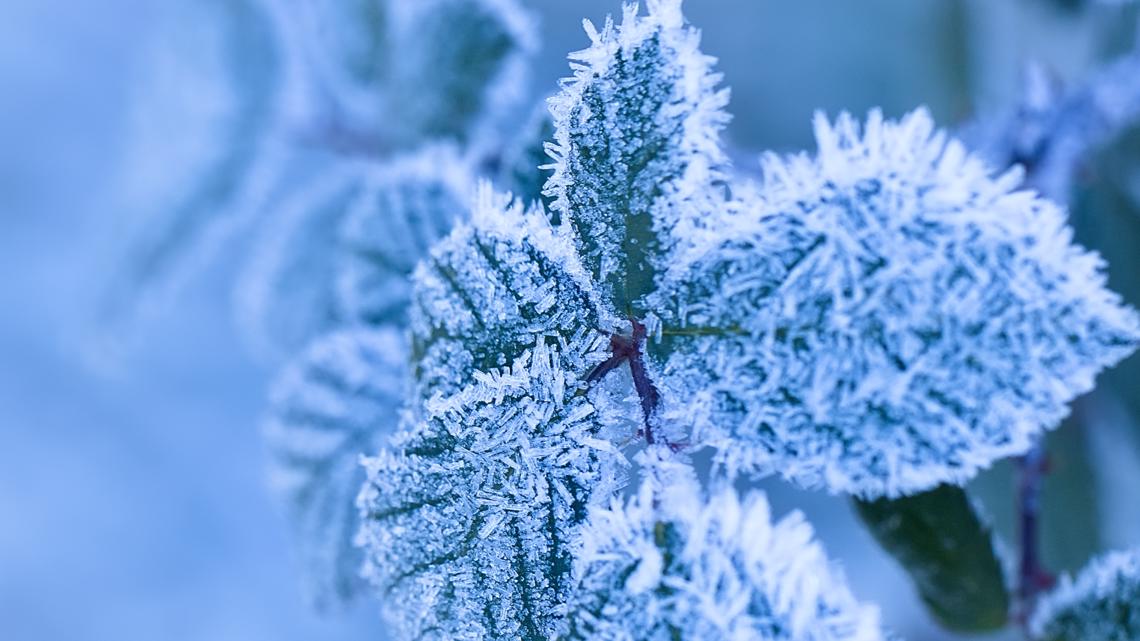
[(215, 147), (636, 152), (1101, 604), (490, 288), (458, 65), (286, 295), (408, 205), (670, 565), (342, 249), (948, 550), (469, 522), (346, 46), (332, 405), (885, 317)]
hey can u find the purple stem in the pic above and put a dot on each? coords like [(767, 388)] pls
[(1032, 577)]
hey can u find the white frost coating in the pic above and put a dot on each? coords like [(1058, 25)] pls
[(667, 566), (329, 407), (1102, 604), (285, 296), (888, 317), (407, 205), (470, 519), (636, 151), (491, 288)]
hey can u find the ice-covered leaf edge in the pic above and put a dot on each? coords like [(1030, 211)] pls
[(1111, 582), (690, 563)]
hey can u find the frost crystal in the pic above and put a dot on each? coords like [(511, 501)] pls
[(470, 523), (1103, 604), (334, 402), (887, 317), (408, 205), (636, 146), (667, 566), (493, 286)]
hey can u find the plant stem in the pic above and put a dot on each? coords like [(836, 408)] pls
[(1032, 577), (629, 349)]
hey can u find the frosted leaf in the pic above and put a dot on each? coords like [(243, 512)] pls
[(890, 316), (197, 148), (1102, 604), (470, 520), (407, 206), (636, 150), (457, 65), (286, 295), (345, 46), (1052, 131), (490, 288), (333, 404), (522, 171), (667, 566)]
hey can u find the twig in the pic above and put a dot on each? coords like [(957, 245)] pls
[(1032, 576)]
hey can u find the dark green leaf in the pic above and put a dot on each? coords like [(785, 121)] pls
[(949, 553)]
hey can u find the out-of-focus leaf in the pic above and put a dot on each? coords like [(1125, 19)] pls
[(948, 550), (329, 408), (287, 294), (197, 156), (456, 64)]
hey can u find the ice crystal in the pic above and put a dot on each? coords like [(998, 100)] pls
[(1102, 604), (888, 316), (335, 402), (636, 146), (670, 566), (470, 520)]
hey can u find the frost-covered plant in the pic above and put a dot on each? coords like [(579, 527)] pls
[(886, 316), (881, 319)]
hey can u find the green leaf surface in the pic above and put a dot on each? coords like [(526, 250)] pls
[(948, 551)]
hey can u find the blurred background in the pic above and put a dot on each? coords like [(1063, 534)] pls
[(133, 501)]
